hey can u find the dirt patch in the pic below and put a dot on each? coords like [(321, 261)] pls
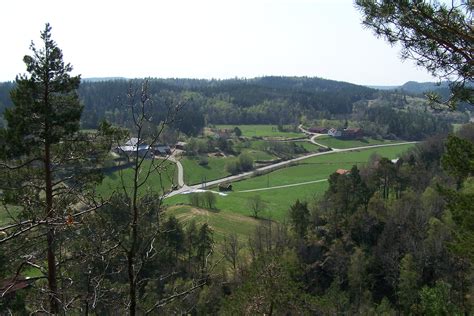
[(240, 218), (199, 211)]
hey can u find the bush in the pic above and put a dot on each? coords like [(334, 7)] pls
[(194, 199), (232, 166), (209, 199), (203, 161), (245, 162)]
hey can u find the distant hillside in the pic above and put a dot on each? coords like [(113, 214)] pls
[(99, 79), (422, 87), (264, 100), (384, 87)]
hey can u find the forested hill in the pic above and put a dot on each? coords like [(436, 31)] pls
[(260, 100), (422, 87), (265, 100)]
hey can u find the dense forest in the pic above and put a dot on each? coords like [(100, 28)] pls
[(266, 100)]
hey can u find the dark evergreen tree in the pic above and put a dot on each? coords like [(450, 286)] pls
[(299, 218), (438, 36), (48, 162)]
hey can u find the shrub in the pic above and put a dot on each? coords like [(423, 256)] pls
[(245, 162), (232, 166), (203, 161)]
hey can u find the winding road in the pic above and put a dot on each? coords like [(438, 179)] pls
[(186, 189)]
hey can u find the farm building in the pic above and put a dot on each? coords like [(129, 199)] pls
[(319, 130), (162, 150), (343, 171), (348, 133), (334, 132), (352, 133), (180, 145), (132, 146)]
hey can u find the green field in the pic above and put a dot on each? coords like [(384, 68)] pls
[(258, 154), (310, 147), (156, 182), (341, 143), (261, 131), (222, 223), (195, 173), (256, 149), (278, 200)]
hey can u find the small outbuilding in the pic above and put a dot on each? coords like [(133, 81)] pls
[(343, 171), (180, 145), (318, 130), (162, 150), (225, 187)]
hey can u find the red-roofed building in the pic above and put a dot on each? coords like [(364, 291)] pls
[(342, 171)]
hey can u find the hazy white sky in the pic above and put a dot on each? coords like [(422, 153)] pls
[(204, 39)]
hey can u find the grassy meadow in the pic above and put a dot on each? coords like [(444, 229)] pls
[(195, 173), (310, 147), (221, 222), (349, 143), (161, 179), (261, 131), (278, 200)]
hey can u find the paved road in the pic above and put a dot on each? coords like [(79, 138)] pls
[(282, 186), (180, 170), (313, 136), (275, 166)]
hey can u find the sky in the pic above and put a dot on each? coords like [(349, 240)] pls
[(205, 39)]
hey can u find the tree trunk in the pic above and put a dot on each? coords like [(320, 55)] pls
[(52, 281), (132, 289)]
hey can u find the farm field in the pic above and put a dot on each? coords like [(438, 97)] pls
[(278, 200), (310, 147), (261, 131), (156, 182), (195, 173), (221, 222), (341, 143), (258, 154)]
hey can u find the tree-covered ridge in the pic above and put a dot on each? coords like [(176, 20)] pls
[(247, 100), (265, 100)]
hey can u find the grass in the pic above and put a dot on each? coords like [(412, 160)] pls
[(258, 154), (261, 131), (221, 222), (279, 200), (341, 143), (155, 183), (310, 147), (195, 173), (256, 149)]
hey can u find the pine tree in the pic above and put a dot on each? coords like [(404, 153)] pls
[(437, 36), (47, 161)]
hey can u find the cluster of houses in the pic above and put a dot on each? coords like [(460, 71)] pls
[(132, 146), (346, 133)]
